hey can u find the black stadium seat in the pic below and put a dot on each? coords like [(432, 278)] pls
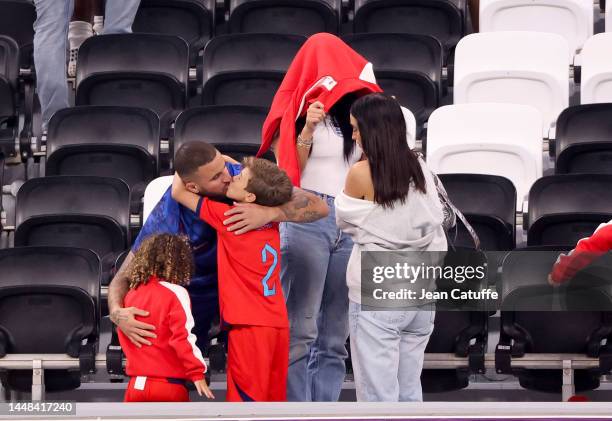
[(302, 17), (17, 21), (442, 19), (49, 304), (192, 20), (106, 141), (584, 139), (529, 326), (140, 70), (565, 208), (489, 204), (247, 69), (80, 211), (9, 74), (407, 66), (234, 130)]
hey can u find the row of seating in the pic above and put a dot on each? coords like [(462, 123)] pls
[(55, 293)]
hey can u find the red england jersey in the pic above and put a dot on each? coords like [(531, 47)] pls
[(250, 291)]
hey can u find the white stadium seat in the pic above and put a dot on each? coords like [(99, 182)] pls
[(596, 78), (495, 139), (572, 19), (530, 68), (153, 193), (410, 127)]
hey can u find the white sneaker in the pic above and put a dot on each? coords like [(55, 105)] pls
[(72, 62)]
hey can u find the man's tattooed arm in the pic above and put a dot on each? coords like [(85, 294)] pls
[(303, 207)]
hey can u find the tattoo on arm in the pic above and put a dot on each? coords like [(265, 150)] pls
[(303, 207), (118, 288)]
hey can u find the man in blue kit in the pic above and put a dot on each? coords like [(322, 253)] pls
[(212, 174)]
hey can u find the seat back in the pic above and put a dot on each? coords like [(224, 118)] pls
[(9, 60), (49, 304), (493, 139), (302, 17), (489, 203), (107, 141), (234, 130), (442, 19), (584, 139), (192, 20), (572, 19), (565, 208), (528, 68), (596, 71), (17, 19)]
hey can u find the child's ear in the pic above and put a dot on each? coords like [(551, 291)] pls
[(250, 197)]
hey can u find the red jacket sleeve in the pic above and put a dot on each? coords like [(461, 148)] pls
[(586, 251), (182, 340)]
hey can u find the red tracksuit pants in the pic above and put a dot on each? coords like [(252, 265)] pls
[(156, 389), (257, 362)]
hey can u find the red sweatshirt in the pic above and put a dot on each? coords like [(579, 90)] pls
[(174, 352), (586, 251), (324, 69)]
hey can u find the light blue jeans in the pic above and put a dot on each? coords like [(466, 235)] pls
[(387, 352), (313, 274), (50, 38)]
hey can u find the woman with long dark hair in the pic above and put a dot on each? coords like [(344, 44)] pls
[(389, 203)]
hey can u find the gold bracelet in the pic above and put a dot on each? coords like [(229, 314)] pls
[(304, 143)]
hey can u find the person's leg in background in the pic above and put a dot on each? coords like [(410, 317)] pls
[(415, 335), (119, 16), (327, 367), (50, 36), (205, 309), (474, 6), (305, 255), (80, 29)]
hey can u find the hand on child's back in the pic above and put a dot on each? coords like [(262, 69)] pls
[(203, 389)]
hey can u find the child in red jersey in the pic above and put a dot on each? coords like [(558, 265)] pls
[(250, 295), (160, 372)]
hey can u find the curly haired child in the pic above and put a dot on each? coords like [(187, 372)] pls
[(161, 268)]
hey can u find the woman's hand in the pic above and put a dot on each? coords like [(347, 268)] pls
[(314, 115)]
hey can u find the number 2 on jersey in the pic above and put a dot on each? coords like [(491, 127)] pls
[(264, 258)]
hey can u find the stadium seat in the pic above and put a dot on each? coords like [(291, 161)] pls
[(49, 304), (596, 70), (106, 141), (514, 67), (234, 129), (9, 74), (493, 139), (457, 329), (192, 20), (301, 17), (81, 211), (565, 208), (583, 141), (442, 19), (153, 193), (247, 69), (572, 19), (529, 326), (407, 66), (140, 70), (489, 204), (17, 21)]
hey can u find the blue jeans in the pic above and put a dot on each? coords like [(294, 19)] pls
[(50, 38), (387, 352), (313, 275)]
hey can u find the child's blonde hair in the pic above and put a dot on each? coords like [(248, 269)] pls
[(165, 256)]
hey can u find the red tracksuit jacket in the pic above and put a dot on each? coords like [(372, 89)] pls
[(586, 251), (174, 352)]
